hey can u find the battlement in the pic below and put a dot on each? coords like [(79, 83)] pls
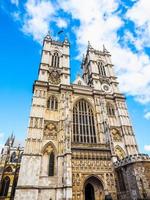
[(48, 39), (132, 159)]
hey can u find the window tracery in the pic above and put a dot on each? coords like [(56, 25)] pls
[(52, 103), (110, 109), (13, 157), (83, 123), (101, 69), (55, 60), (49, 157)]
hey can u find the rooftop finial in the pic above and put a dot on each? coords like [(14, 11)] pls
[(48, 36), (104, 49), (49, 33), (89, 45), (83, 58), (78, 74), (66, 41)]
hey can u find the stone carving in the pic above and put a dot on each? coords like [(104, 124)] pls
[(50, 130), (54, 77), (48, 149), (119, 152), (116, 135)]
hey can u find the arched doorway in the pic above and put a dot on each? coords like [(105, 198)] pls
[(93, 189), (89, 192)]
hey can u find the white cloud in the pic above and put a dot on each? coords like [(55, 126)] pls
[(16, 2), (37, 18), (99, 23), (140, 15), (16, 16), (147, 147), (147, 115), (61, 23)]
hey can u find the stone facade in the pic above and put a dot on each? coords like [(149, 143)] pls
[(76, 130), (10, 159), (133, 177)]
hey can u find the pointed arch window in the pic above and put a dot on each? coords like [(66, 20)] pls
[(13, 157), (55, 60), (83, 123), (52, 103), (14, 186), (51, 164), (101, 69), (5, 186), (110, 109)]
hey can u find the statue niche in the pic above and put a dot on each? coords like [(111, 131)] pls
[(50, 130)]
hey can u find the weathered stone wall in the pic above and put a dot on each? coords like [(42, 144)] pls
[(135, 172)]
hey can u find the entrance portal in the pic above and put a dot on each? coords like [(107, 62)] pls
[(89, 192), (93, 189)]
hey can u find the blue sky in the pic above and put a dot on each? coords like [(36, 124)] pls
[(124, 28)]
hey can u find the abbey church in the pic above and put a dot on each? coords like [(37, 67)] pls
[(80, 143)]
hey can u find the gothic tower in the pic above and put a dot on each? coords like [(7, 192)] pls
[(76, 130)]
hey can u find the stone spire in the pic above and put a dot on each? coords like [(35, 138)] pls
[(89, 45), (10, 140), (48, 36), (66, 41), (104, 49)]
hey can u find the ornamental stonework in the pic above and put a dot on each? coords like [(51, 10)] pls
[(50, 130), (54, 77), (116, 135)]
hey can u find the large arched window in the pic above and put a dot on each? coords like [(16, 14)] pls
[(101, 69), (5, 186), (55, 60), (52, 103), (83, 123), (110, 109), (51, 164)]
